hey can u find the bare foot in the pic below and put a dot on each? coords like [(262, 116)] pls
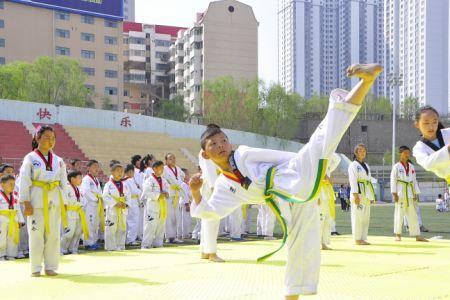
[(36, 274), (50, 273), (398, 238), (361, 242), (367, 72), (325, 247), (214, 258), (204, 256), (421, 239), (291, 297)]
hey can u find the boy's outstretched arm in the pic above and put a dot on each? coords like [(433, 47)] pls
[(195, 184), (367, 73)]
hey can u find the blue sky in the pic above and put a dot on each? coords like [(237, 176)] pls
[(183, 13)]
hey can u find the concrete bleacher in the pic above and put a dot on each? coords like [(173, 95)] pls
[(15, 142), (105, 145)]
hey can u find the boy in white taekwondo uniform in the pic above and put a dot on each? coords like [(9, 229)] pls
[(361, 195), (11, 219), (155, 192), (117, 199), (174, 176), (133, 209), (42, 189), (70, 240), (185, 206), (326, 203), (404, 189), (248, 176), (209, 229), (94, 208), (432, 151)]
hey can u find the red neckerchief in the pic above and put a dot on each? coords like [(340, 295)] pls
[(159, 180), (174, 172), (9, 200), (406, 167), (118, 185), (77, 192), (231, 176), (48, 163), (93, 179)]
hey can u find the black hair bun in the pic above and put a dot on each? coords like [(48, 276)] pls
[(212, 125)]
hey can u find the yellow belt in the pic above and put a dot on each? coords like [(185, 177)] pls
[(448, 183), (46, 187), (79, 209), (100, 211), (119, 212), (329, 191), (134, 197), (177, 189), (406, 184), (13, 228), (162, 207), (244, 211), (363, 183)]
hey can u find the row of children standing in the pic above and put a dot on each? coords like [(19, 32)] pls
[(50, 210)]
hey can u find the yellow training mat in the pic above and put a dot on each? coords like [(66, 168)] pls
[(384, 270)]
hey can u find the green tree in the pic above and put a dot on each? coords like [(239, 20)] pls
[(13, 77), (46, 80), (408, 108), (106, 102), (232, 104), (173, 109), (280, 113)]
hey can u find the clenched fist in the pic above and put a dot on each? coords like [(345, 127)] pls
[(196, 182)]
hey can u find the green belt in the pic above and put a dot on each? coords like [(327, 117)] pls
[(270, 193), (364, 183), (406, 184)]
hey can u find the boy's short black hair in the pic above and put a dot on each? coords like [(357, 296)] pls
[(210, 131), (73, 161), (91, 162), (6, 178), (73, 174), (115, 166), (184, 170), (135, 159), (157, 164), (129, 168), (4, 167), (403, 148), (113, 162)]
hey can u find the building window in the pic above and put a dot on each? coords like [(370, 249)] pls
[(125, 93), (62, 33), (136, 40), (110, 74), (62, 16), (2, 4), (198, 45), (110, 90), (88, 54), (162, 55), (2, 60), (90, 87), (2, 23), (161, 67), (62, 51), (110, 40), (89, 71), (364, 128), (110, 57), (137, 53), (109, 23), (2, 43), (162, 43), (87, 19), (87, 37)]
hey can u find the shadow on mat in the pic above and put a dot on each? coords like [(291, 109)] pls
[(278, 263), (104, 279), (381, 252), (418, 245)]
